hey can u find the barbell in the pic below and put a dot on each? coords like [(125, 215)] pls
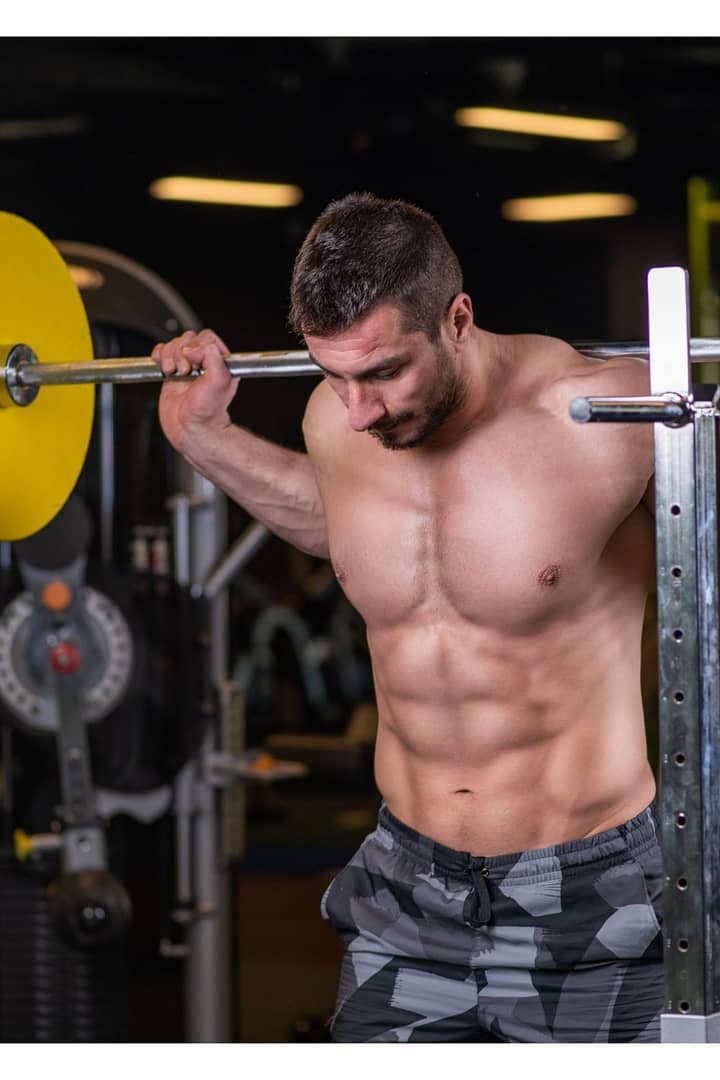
[(45, 342)]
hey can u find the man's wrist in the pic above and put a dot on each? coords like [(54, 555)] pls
[(199, 438)]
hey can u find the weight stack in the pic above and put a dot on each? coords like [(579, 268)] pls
[(48, 991)]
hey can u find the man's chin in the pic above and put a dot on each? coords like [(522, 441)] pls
[(395, 438), (392, 439), (396, 442)]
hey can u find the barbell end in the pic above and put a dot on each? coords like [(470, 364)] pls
[(13, 359), (580, 410)]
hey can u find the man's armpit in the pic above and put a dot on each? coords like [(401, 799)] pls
[(648, 499)]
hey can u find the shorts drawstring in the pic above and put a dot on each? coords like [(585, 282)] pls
[(478, 906)]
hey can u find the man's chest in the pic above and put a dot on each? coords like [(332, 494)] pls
[(510, 532)]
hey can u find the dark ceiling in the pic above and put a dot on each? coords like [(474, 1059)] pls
[(339, 114)]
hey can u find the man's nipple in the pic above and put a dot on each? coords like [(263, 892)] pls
[(549, 575)]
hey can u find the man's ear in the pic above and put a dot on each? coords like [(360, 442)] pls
[(459, 318)]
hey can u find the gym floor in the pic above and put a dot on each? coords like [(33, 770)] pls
[(287, 960), (286, 976)]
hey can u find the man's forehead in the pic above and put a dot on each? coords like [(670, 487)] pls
[(371, 331)]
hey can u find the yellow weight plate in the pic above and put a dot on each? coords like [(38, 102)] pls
[(42, 445)]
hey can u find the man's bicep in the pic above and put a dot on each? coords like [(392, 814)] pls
[(316, 436)]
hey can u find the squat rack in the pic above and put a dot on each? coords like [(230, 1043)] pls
[(686, 529)]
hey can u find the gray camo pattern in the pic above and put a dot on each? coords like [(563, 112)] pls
[(561, 944)]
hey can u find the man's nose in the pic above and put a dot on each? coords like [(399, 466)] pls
[(364, 407)]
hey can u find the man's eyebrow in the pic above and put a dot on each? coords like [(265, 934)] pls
[(386, 364)]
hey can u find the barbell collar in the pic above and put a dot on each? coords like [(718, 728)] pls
[(16, 359)]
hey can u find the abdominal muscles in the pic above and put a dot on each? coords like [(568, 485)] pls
[(495, 742)]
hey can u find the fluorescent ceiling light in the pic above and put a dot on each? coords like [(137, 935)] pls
[(227, 192), (569, 207), (40, 128), (548, 124)]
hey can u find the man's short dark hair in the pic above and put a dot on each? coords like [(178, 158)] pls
[(364, 251)]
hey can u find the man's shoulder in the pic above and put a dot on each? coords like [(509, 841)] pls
[(577, 375), (621, 454), (322, 422)]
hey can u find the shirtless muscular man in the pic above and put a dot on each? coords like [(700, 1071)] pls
[(500, 555)]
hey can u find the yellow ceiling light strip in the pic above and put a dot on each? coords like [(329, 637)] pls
[(548, 124), (569, 207), (226, 192)]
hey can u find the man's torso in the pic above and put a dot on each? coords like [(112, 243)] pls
[(503, 584)]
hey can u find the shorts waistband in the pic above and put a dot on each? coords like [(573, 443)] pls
[(632, 838)]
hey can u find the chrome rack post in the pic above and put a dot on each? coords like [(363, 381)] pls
[(199, 535), (686, 526), (687, 571)]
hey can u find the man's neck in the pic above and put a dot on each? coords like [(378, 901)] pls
[(486, 368)]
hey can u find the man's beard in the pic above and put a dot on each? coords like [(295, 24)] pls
[(450, 393)]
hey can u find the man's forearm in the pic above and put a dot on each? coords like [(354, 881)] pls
[(275, 485)]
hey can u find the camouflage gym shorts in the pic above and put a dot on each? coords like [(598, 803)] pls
[(560, 944)]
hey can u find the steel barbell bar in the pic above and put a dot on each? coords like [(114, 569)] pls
[(24, 375), (702, 350), (133, 369)]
